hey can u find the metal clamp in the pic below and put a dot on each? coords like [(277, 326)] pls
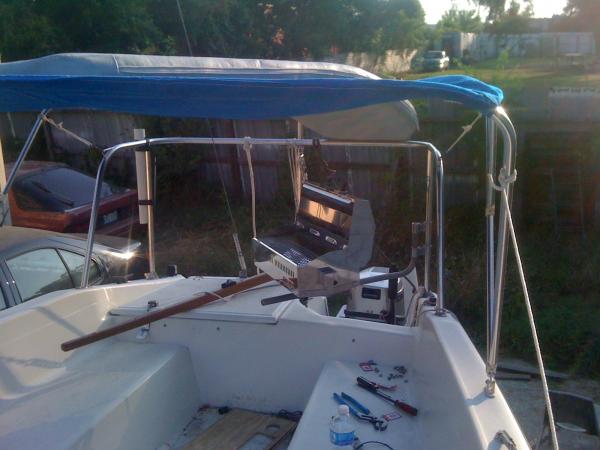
[(145, 330)]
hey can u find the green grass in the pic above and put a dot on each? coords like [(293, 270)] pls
[(537, 73), (563, 287), (195, 231), (517, 75)]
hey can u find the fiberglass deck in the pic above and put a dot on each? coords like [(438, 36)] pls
[(313, 429)]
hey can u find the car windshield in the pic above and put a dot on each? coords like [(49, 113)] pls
[(62, 188), (434, 54)]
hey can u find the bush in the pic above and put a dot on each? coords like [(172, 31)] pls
[(563, 286)]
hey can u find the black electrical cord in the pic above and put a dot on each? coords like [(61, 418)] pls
[(414, 288), (362, 444), (405, 277), (412, 297), (294, 416)]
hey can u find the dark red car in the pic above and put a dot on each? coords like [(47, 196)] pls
[(53, 196)]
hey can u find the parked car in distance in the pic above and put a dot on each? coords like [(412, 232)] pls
[(53, 196), (435, 60), (36, 262)]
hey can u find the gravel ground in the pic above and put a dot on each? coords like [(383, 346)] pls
[(527, 403)]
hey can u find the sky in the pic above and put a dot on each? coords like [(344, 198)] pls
[(435, 8)]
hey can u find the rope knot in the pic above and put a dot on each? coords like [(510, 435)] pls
[(247, 143), (504, 179)]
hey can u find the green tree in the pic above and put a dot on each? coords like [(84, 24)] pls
[(292, 28), (515, 20), (33, 28), (402, 25), (501, 19), (581, 15), (585, 10), (495, 8), (230, 28), (466, 21)]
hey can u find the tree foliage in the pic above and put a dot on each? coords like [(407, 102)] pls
[(507, 17), (581, 15), (466, 21), (232, 28), (515, 20), (495, 8), (37, 27)]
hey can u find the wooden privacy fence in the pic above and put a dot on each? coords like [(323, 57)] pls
[(373, 173), (386, 177), (378, 174)]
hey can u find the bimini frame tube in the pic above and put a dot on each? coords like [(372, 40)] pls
[(490, 128), (509, 137), (435, 155), (24, 151), (429, 220), (435, 187)]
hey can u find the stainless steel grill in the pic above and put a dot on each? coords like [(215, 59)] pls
[(329, 242)]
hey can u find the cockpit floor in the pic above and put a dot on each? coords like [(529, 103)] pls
[(233, 429)]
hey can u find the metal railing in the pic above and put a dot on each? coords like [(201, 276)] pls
[(496, 266), (435, 166)]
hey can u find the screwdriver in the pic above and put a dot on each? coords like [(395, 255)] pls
[(372, 387)]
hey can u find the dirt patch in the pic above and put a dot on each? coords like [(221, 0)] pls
[(526, 401)]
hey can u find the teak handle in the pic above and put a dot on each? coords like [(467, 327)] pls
[(163, 313)]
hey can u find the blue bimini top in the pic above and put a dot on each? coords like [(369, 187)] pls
[(217, 87)]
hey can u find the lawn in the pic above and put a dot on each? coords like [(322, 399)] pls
[(517, 75), (537, 73)]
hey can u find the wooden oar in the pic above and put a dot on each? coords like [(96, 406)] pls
[(163, 313)]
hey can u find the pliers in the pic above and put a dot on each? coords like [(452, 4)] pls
[(359, 411)]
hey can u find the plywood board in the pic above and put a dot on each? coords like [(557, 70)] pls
[(238, 427)]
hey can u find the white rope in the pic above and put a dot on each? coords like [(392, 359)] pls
[(235, 234), (247, 149), (292, 164), (466, 129), (59, 126), (504, 179)]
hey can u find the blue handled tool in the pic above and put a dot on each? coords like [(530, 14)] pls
[(355, 403), (359, 411)]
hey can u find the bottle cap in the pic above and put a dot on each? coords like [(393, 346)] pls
[(343, 410)]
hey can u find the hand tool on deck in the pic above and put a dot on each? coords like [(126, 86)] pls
[(372, 387), (385, 387), (360, 411)]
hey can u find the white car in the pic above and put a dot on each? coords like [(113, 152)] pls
[(436, 60)]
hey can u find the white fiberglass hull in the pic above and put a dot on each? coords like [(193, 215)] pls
[(132, 393)]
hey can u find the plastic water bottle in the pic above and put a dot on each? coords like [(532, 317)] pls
[(341, 430)]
